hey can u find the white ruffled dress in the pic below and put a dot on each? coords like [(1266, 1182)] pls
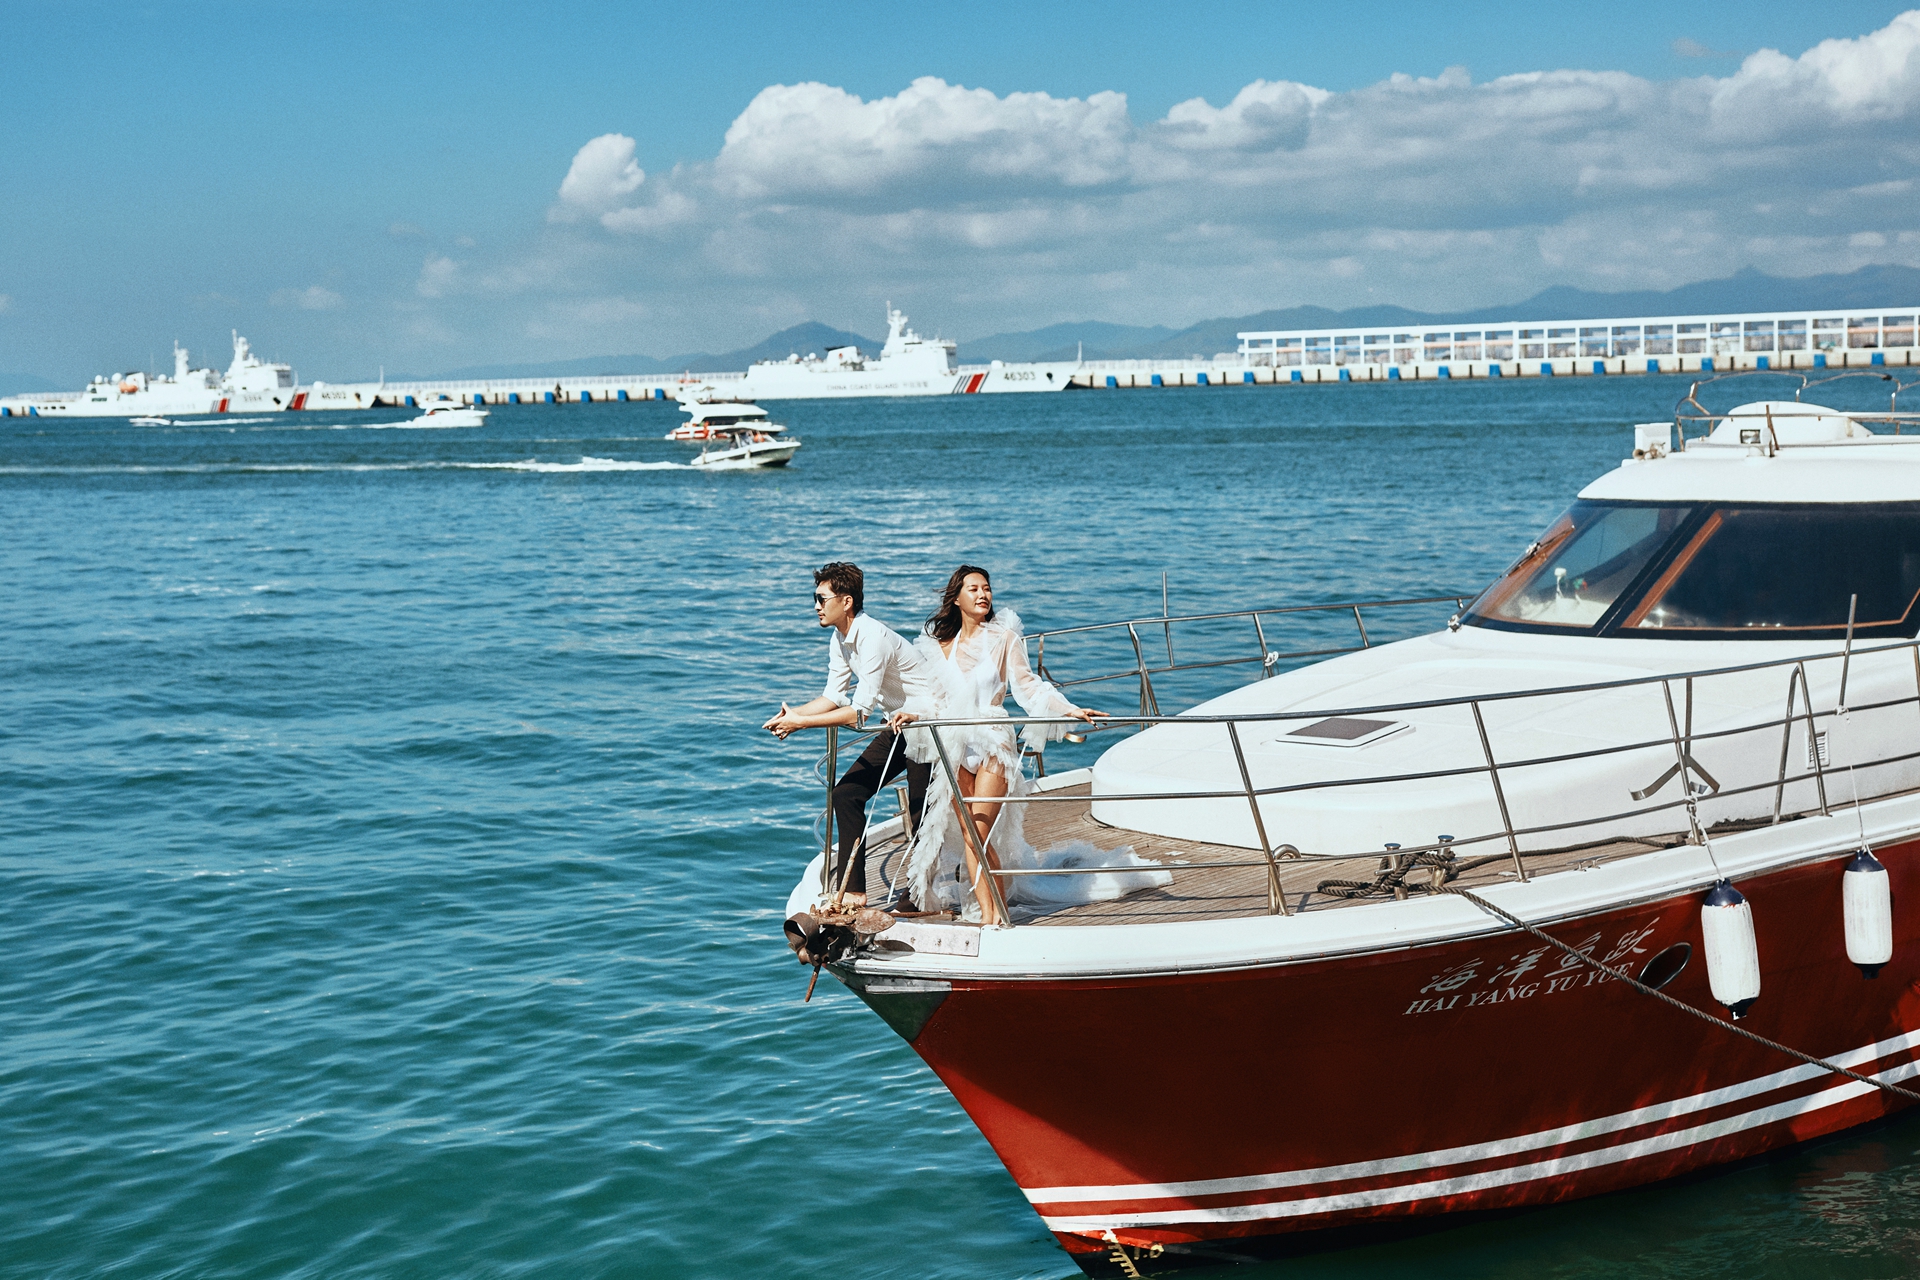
[(975, 681)]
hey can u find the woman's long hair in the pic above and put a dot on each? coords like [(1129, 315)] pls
[(943, 624)]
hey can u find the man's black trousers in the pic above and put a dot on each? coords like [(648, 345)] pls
[(872, 771)]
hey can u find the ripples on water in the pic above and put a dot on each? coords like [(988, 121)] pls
[(393, 867)]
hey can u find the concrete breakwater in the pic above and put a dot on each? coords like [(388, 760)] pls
[(1224, 370), (1233, 370), (1784, 342)]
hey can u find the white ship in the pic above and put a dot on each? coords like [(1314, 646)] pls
[(250, 385), (908, 365)]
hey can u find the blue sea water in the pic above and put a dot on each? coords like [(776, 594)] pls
[(393, 868)]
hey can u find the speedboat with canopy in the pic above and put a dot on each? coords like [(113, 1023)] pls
[(732, 434), (1607, 880)]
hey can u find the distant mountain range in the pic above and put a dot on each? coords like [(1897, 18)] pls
[(1747, 290)]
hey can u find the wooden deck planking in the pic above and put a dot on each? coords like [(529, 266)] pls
[(1217, 893)]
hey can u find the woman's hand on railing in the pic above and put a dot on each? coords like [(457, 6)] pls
[(899, 720), (1087, 713)]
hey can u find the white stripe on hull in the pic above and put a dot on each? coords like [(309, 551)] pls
[(1488, 1179)]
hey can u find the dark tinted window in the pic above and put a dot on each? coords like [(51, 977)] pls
[(1789, 571)]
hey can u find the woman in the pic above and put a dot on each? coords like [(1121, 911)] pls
[(981, 655)]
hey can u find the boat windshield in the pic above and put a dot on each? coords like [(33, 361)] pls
[(1716, 572), (1579, 567)]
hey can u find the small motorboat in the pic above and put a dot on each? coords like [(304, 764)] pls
[(759, 445), (152, 422), (449, 413), (731, 433)]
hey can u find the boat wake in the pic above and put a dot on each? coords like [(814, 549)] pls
[(585, 464), (264, 468)]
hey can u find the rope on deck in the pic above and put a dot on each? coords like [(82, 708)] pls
[(1393, 877), (1682, 1005)]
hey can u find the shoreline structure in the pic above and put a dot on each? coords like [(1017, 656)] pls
[(1783, 341)]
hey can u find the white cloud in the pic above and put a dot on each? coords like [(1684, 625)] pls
[(812, 140), (987, 211), (671, 209), (1875, 75), (437, 276), (1264, 115), (312, 298), (603, 174)]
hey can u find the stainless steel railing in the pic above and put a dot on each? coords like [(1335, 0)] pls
[(1677, 733), (1143, 669)]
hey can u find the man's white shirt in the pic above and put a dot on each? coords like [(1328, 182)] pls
[(874, 669)]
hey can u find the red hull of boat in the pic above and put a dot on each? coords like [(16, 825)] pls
[(1210, 1113)]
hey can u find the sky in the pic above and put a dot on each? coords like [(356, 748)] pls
[(426, 186)]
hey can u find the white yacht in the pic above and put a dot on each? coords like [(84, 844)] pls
[(908, 365), (250, 385), (1462, 924)]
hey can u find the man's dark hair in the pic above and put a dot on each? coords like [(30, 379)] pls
[(845, 579)]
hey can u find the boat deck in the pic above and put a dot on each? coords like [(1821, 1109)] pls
[(1205, 889)]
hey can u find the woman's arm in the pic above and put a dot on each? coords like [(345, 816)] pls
[(1036, 696)]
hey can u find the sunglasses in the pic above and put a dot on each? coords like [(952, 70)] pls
[(824, 598)]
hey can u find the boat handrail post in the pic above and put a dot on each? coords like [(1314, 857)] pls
[(1786, 734), (1166, 623), (1846, 654), (970, 836), (833, 770), (1365, 643), (1813, 739), (1267, 659), (1149, 705), (1680, 762), (1276, 897), (1499, 795)]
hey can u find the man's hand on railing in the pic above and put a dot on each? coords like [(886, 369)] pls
[(817, 714), (783, 724)]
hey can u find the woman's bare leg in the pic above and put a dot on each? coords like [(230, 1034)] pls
[(971, 784), (989, 782)]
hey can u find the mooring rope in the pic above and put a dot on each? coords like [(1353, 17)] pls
[(1657, 994), (1392, 877)]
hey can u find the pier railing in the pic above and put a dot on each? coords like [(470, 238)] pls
[(1783, 753)]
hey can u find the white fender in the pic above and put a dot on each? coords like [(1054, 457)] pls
[(1866, 901), (1733, 958)]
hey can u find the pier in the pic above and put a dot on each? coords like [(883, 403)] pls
[(1784, 342)]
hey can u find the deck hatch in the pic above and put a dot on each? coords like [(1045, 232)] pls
[(1343, 731)]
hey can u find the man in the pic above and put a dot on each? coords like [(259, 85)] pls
[(870, 669)]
